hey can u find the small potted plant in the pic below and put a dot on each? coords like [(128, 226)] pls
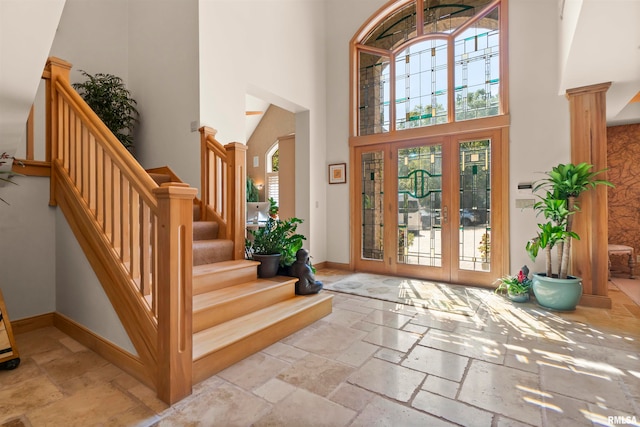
[(275, 245), (517, 287), (558, 204)]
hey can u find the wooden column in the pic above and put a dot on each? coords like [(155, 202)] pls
[(589, 261), (175, 268), (237, 195), (287, 176)]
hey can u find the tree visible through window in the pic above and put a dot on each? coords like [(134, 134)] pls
[(406, 63)]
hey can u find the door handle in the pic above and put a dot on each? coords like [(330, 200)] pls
[(445, 215)]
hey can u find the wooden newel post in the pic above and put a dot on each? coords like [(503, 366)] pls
[(205, 190), (237, 190), (175, 263), (57, 69)]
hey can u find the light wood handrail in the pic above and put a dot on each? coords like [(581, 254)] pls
[(137, 235), (223, 187)]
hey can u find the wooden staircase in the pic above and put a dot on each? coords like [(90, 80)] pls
[(236, 314), (172, 266)]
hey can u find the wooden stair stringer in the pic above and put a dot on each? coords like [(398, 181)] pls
[(219, 347)]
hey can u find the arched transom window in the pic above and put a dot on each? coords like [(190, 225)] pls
[(428, 62)]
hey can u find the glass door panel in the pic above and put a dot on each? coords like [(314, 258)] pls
[(474, 237), (419, 205), (372, 205)]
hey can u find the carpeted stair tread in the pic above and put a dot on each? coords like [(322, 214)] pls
[(210, 251), (205, 230)]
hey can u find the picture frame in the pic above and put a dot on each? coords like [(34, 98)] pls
[(338, 173)]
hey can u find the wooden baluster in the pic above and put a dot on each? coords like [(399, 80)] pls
[(175, 240)]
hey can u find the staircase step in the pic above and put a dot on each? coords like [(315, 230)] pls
[(210, 251), (209, 277), (221, 346), (160, 178), (205, 230), (215, 307)]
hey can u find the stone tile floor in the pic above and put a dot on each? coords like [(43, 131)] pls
[(369, 363)]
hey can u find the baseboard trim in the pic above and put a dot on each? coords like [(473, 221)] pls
[(109, 351), (33, 323), (121, 358), (336, 265), (596, 301)]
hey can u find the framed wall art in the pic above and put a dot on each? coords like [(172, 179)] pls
[(338, 173)]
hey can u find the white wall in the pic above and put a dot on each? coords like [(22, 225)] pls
[(93, 37), (27, 253), (539, 130), (79, 294), (346, 18), (274, 50), (27, 28), (163, 75)]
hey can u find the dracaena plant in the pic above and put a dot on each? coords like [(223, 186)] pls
[(558, 202)]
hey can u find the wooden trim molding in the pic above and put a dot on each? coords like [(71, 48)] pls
[(33, 323), (124, 360)]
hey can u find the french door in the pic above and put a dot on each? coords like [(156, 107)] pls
[(433, 208)]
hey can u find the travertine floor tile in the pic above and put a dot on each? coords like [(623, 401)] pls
[(226, 405), (451, 410), (385, 378), (437, 362), (383, 413), (370, 363), (502, 390), (81, 409), (253, 371), (392, 338), (303, 408), (316, 374)]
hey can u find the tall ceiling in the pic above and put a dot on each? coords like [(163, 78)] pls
[(600, 42)]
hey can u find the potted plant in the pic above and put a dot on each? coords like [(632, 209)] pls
[(517, 287), (558, 204), (273, 208), (275, 245), (107, 95)]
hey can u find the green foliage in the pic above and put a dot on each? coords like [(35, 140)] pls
[(560, 189), (278, 237), (252, 190), (7, 175), (107, 95), (273, 207), (514, 285)]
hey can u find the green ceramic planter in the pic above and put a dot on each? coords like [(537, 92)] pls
[(557, 294)]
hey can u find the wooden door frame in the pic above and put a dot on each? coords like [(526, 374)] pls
[(499, 195)]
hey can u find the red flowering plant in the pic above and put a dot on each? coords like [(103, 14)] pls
[(515, 285)]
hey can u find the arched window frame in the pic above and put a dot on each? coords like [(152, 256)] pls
[(451, 126)]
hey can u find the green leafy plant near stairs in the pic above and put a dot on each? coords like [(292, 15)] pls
[(277, 237), (107, 95)]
